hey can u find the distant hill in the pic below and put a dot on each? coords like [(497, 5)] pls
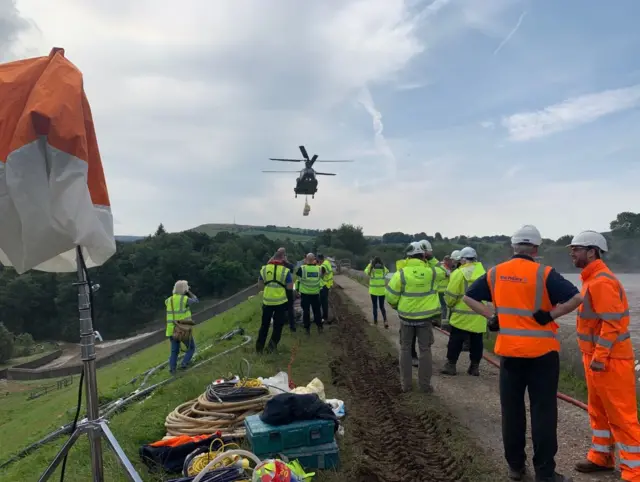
[(129, 239), (270, 231)]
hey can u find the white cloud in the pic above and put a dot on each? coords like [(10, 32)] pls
[(191, 99), (570, 113)]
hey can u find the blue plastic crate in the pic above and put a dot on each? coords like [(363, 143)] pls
[(323, 457), (272, 439)]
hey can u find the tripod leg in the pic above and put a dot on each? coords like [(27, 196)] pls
[(122, 457), (63, 451)]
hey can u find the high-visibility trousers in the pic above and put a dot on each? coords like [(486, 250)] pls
[(613, 414)]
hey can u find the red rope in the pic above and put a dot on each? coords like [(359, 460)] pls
[(294, 351), (561, 396)]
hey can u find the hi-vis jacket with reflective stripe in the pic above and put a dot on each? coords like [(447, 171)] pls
[(412, 291), (327, 279), (177, 310), (441, 274), (603, 318), (274, 277), (462, 316), (377, 279), (401, 263), (518, 290), (309, 281)]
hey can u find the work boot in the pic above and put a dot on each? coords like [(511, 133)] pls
[(588, 467), (308, 331), (386, 323), (556, 477), (517, 474), (474, 369), (375, 321), (449, 369), (320, 329), (428, 389), (415, 362)]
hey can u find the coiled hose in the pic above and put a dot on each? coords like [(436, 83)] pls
[(221, 408)]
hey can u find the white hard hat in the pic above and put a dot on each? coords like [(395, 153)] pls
[(455, 255), (468, 252), (415, 248), (527, 234), (590, 238), (426, 245)]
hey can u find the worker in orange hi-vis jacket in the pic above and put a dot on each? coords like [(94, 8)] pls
[(604, 339)]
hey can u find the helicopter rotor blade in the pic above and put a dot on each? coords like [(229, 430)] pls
[(297, 172), (304, 152), (336, 161), (325, 174), (285, 160)]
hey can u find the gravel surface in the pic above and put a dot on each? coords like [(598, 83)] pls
[(476, 403)]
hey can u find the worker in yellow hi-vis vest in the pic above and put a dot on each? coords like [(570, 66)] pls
[(377, 273), (277, 281), (178, 310), (326, 283)]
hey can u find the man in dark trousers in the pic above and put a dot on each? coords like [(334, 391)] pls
[(527, 297), (290, 296), (308, 284), (326, 283), (277, 282)]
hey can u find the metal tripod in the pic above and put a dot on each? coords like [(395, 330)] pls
[(94, 426)]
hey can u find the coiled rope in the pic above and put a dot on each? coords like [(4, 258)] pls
[(221, 408)]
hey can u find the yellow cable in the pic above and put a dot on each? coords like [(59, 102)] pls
[(199, 462), (249, 383)]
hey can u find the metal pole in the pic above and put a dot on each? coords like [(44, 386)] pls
[(88, 355)]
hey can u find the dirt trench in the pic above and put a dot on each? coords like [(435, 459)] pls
[(398, 443)]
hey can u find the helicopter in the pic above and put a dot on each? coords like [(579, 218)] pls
[(307, 183)]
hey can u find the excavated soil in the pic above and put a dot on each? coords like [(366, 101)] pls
[(397, 443)]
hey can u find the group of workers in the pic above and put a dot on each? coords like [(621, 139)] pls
[(520, 299), (313, 280)]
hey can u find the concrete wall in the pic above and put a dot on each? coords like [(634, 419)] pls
[(38, 362), (156, 337)]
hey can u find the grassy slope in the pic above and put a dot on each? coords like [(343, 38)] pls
[(143, 422)]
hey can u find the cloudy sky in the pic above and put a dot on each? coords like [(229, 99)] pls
[(463, 116)]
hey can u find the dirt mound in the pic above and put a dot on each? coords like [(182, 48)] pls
[(398, 443)]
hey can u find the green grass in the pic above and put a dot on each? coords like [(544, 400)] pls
[(143, 422)]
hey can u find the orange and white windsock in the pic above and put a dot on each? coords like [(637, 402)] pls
[(53, 194)]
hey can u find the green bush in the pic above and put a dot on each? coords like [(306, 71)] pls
[(6, 344)]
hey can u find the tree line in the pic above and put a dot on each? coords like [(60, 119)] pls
[(134, 283), (137, 279), (350, 242)]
